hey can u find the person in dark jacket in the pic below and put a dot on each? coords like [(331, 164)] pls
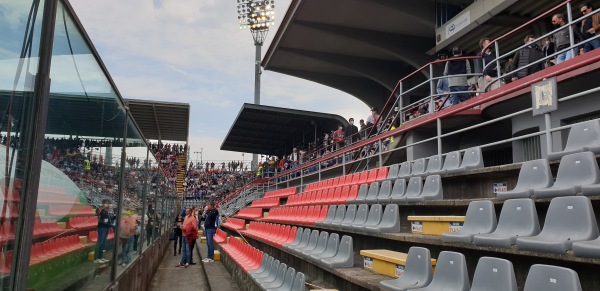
[(210, 227), (526, 56), (457, 71), (178, 234), (105, 222), (351, 132)]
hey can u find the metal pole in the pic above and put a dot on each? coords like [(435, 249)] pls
[(113, 271), (548, 122), (571, 35), (439, 136), (498, 71), (380, 149), (256, 91)]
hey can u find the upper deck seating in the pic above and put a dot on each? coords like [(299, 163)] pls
[(574, 171), (534, 174), (450, 273), (518, 219), (558, 233), (584, 136), (480, 218), (551, 278), (494, 274), (417, 272)]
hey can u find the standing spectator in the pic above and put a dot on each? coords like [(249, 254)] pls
[(562, 39), (127, 225), (548, 49), (371, 119), (210, 227), (525, 56), (192, 239), (351, 132), (338, 137), (104, 225), (178, 234), (457, 80), (187, 229), (490, 71), (363, 128), (590, 27), (508, 65), (444, 89)]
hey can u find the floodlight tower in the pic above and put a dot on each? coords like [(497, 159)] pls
[(257, 15)]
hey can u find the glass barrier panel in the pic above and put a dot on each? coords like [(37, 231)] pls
[(20, 21)]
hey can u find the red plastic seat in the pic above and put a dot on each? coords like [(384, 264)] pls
[(353, 192), (382, 174), (372, 176)]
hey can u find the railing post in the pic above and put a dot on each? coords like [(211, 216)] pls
[(400, 102), (571, 35), (548, 123), (431, 85), (380, 146), (498, 70), (439, 136)]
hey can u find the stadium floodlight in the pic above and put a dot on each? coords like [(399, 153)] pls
[(256, 15)]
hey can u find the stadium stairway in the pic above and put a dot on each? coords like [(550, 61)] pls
[(181, 174)]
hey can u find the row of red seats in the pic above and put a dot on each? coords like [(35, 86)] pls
[(9, 211), (44, 251), (281, 192), (220, 237), (82, 222), (337, 195), (7, 231), (274, 234), (252, 213), (364, 177), (54, 198), (266, 202), (46, 228), (308, 215), (235, 224), (93, 236), (53, 248), (70, 210), (244, 255)]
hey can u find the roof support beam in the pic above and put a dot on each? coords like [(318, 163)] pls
[(157, 123)]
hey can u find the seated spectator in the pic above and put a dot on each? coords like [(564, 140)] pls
[(457, 80), (525, 56)]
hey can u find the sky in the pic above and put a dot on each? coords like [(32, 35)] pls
[(192, 51)]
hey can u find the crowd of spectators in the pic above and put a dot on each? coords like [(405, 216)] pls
[(210, 181)]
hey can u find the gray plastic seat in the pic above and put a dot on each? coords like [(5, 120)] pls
[(518, 219), (271, 273), (332, 246), (385, 192), (297, 240), (451, 162), (319, 248), (432, 190), (472, 159), (390, 221), (590, 248), (413, 189), (330, 215), (559, 233), (303, 242), (339, 216), (374, 218), (274, 277), (450, 273), (480, 218), (419, 167), (363, 191), (361, 217), (298, 282), (417, 272), (574, 171), (584, 136), (344, 258), (350, 215), (534, 174), (263, 265), (398, 192), (266, 270), (590, 190), (493, 274), (279, 280), (287, 282), (393, 172), (371, 194), (404, 171), (312, 243), (551, 278), (434, 165)]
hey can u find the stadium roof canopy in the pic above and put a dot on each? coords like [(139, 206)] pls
[(161, 120), (271, 130), (364, 47)]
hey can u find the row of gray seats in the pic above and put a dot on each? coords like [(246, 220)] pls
[(437, 165), (491, 274), (577, 173), (519, 224), (415, 191), (275, 276), (361, 218), (583, 137), (321, 248)]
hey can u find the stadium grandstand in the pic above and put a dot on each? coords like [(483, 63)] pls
[(477, 170)]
